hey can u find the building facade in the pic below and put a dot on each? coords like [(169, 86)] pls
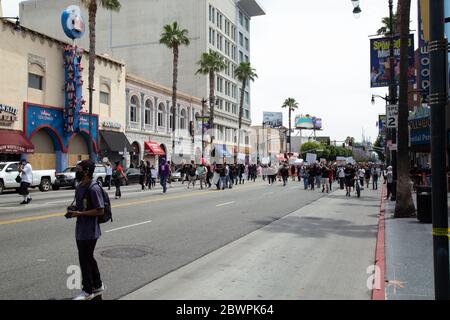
[(32, 100), (149, 122), (133, 36)]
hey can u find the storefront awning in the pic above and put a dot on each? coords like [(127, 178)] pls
[(116, 141), (153, 148), (14, 142)]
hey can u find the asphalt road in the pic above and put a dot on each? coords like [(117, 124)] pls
[(152, 234)]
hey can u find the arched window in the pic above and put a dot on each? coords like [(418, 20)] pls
[(105, 93), (183, 120), (161, 113), (148, 112), (134, 109)]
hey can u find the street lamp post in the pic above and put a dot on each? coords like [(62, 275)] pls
[(438, 100), (203, 117)]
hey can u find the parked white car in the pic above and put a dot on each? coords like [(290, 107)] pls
[(43, 179), (67, 177)]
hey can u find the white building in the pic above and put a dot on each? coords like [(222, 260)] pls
[(133, 35)]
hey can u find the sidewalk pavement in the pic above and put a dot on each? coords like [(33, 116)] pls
[(409, 257), (321, 251)]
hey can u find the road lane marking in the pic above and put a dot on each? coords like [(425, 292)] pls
[(132, 225), (128, 204), (224, 204)]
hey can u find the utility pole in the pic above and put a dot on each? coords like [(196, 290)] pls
[(438, 101)]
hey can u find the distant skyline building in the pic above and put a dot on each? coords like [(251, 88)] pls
[(133, 34)]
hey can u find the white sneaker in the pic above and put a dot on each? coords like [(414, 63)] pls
[(99, 291), (84, 296)]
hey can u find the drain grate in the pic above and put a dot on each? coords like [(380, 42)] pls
[(125, 252)]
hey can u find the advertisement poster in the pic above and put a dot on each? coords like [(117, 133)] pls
[(273, 119), (381, 123), (380, 65), (424, 65), (308, 122)]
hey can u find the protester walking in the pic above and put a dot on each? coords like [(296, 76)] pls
[(164, 174), (108, 177), (26, 178), (148, 170), (89, 205), (375, 175), (142, 174), (202, 172), (389, 181), (118, 176), (192, 175)]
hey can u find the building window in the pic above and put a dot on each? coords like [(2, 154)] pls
[(148, 112), (246, 97), (247, 140), (35, 81), (247, 24), (247, 46), (105, 94), (104, 97), (247, 114), (241, 56), (241, 18), (234, 108), (161, 115), (241, 39), (134, 109), (183, 120)]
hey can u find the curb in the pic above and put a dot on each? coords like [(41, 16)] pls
[(378, 291)]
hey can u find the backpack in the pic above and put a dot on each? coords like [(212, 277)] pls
[(107, 212), (115, 174)]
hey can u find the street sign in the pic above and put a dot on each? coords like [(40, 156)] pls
[(392, 116)]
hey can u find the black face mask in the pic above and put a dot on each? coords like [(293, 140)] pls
[(79, 175)]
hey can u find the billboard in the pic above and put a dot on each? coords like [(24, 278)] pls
[(273, 119), (380, 65), (308, 122)]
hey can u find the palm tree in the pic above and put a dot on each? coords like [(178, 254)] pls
[(292, 105), (92, 6), (173, 37), (243, 73), (386, 22), (404, 206), (210, 64)]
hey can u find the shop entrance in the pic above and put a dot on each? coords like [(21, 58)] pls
[(44, 157), (78, 149)]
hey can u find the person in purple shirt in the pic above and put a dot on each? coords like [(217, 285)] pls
[(88, 207), (164, 173)]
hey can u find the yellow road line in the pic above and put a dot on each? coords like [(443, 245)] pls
[(127, 204)]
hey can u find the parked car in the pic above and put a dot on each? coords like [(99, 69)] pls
[(43, 179), (133, 175), (176, 176), (67, 177)]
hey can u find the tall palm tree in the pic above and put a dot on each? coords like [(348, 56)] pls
[(243, 73), (173, 37), (386, 22), (210, 64), (404, 206), (92, 6), (292, 105)]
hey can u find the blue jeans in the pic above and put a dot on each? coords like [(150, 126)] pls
[(163, 182), (305, 182), (222, 182)]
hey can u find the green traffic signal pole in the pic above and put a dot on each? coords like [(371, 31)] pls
[(438, 101)]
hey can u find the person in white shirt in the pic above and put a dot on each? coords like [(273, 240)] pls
[(26, 175)]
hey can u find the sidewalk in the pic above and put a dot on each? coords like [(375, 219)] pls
[(409, 257), (321, 251)]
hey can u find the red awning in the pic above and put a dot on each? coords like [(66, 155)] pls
[(153, 148), (14, 142)]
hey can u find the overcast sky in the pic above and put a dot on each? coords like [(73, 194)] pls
[(317, 53)]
